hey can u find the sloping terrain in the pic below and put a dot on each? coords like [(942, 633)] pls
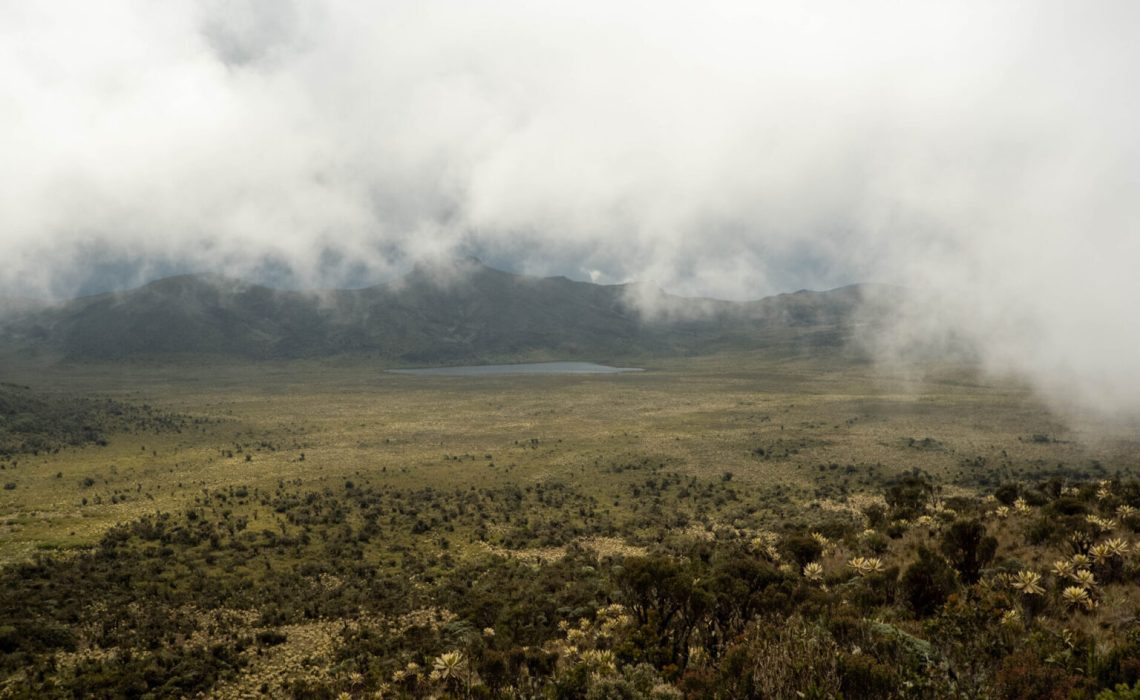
[(460, 312), (13, 306)]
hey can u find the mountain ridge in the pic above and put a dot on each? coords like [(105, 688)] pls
[(455, 312)]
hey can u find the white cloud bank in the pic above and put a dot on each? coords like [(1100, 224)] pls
[(985, 151)]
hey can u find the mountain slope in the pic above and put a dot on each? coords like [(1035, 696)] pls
[(15, 306), (458, 312)]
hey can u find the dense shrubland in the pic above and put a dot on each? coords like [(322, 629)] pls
[(32, 422), (688, 590)]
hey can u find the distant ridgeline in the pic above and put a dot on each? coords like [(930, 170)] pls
[(459, 313), (31, 423)]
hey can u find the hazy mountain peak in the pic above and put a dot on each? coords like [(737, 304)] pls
[(442, 311)]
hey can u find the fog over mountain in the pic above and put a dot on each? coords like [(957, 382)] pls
[(985, 153), (445, 313)]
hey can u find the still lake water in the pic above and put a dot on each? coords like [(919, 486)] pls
[(530, 368)]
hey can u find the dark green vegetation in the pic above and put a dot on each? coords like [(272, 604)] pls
[(367, 589), (459, 313), (32, 422)]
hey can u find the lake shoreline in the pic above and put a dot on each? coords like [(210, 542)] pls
[(527, 368)]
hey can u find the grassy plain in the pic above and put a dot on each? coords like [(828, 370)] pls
[(327, 529), (794, 436)]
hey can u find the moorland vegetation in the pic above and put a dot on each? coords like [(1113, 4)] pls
[(366, 591), (740, 529)]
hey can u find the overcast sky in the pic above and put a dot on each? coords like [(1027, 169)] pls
[(987, 151)]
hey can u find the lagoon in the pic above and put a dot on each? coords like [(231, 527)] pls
[(525, 368)]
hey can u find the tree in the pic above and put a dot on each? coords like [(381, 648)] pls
[(968, 548), (928, 582), (667, 601)]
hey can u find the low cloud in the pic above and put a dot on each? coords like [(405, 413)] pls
[(984, 152)]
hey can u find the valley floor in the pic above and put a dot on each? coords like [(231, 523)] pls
[(807, 433), (285, 479)]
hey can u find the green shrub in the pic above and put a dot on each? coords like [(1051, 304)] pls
[(907, 496), (1121, 665), (1069, 505), (1120, 692), (927, 583), (803, 549), (1007, 493), (968, 548), (1023, 676), (876, 515), (862, 676)]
